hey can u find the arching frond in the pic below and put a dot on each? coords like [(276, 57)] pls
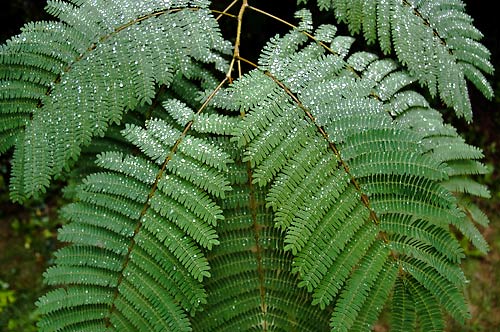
[(116, 64), (252, 286), (435, 40), (136, 234), (346, 178)]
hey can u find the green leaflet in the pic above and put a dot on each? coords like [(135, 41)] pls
[(77, 105), (427, 254), (440, 291), (356, 291), (378, 295), (426, 37), (442, 142), (333, 209), (424, 232), (403, 308), (251, 284), (127, 236)]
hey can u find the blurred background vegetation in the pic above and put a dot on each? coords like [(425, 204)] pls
[(28, 233)]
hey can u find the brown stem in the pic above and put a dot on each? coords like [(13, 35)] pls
[(224, 12), (147, 204), (237, 42), (253, 206), (293, 27)]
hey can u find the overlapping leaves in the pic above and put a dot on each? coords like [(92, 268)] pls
[(348, 184), (361, 197), (137, 232), (68, 80), (435, 40)]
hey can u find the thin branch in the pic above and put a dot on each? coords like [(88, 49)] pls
[(249, 62), (237, 42), (224, 12), (293, 27)]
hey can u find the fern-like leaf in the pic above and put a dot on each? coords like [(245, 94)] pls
[(356, 170), (136, 233), (435, 40), (125, 73), (252, 286)]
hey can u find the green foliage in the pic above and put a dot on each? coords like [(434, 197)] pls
[(7, 297), (305, 195), (435, 40)]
